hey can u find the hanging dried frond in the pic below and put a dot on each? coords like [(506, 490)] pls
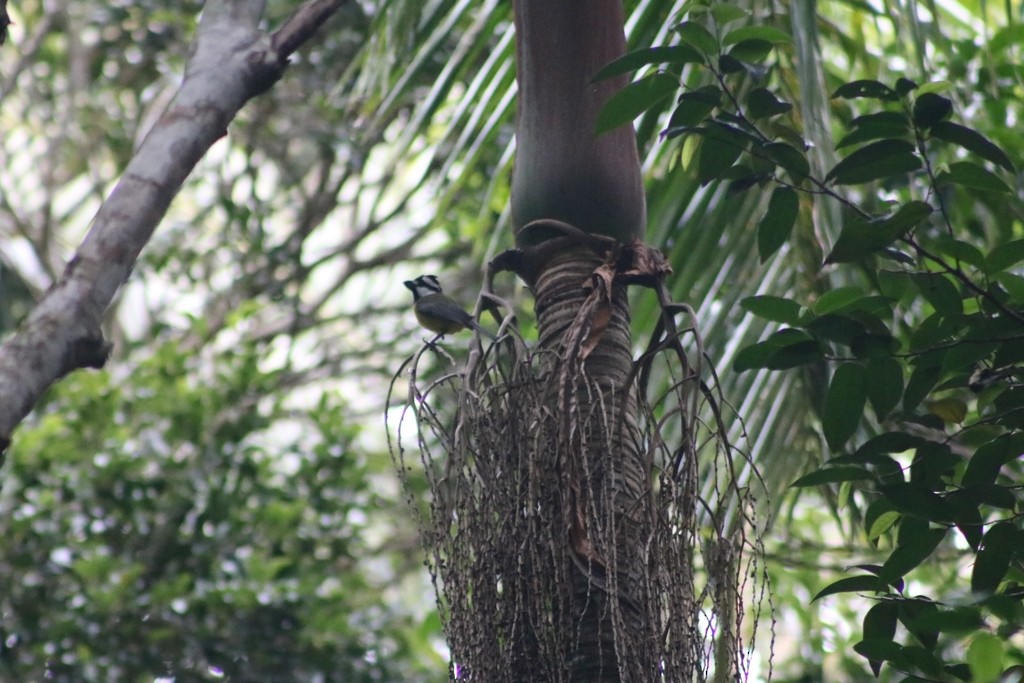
[(555, 499)]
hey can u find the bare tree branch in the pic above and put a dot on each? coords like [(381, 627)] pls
[(232, 61)]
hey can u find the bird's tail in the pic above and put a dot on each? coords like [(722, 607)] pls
[(476, 326)]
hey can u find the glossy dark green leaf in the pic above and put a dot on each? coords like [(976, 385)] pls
[(960, 250), (864, 583), (777, 223), (752, 50), (692, 108), (866, 88), (720, 147), (889, 442), (880, 621), (727, 64), (635, 99), (766, 33), (913, 610), (789, 158), (787, 348), (884, 385), (905, 86), (930, 108), (940, 292), (773, 308), (881, 159), (998, 546), (972, 141), (837, 299), (969, 174), (921, 381), (909, 555), (699, 37), (957, 620), (967, 517), (993, 495), (877, 651), (984, 466), (879, 126), (630, 62), (919, 503), (762, 103), (844, 404), (860, 238), (832, 475), (879, 518)]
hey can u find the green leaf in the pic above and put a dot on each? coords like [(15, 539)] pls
[(836, 299), (939, 292), (884, 385), (787, 348), (957, 620), (881, 159), (699, 37), (789, 158), (1004, 256), (765, 33), (774, 228), (878, 651), (860, 238), (852, 584), (961, 251), (844, 404), (762, 104), (919, 503), (930, 108), (773, 308), (832, 475), (880, 621), (989, 459), (985, 657), (751, 51), (724, 13), (694, 107), (921, 381), (885, 124), (630, 62), (633, 100), (972, 141), (909, 555), (969, 174), (866, 88), (720, 147), (998, 546)]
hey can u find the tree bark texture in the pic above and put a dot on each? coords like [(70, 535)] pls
[(562, 170), (231, 62)]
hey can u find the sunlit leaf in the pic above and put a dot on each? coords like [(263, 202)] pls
[(766, 33)]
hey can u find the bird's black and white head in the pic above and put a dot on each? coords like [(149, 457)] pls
[(423, 285)]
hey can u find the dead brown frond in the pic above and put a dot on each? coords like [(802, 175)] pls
[(527, 539)]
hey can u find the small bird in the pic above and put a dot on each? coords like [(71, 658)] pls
[(436, 312)]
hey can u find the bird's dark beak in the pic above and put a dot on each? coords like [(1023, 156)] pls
[(410, 285)]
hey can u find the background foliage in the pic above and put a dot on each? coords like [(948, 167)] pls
[(218, 502)]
